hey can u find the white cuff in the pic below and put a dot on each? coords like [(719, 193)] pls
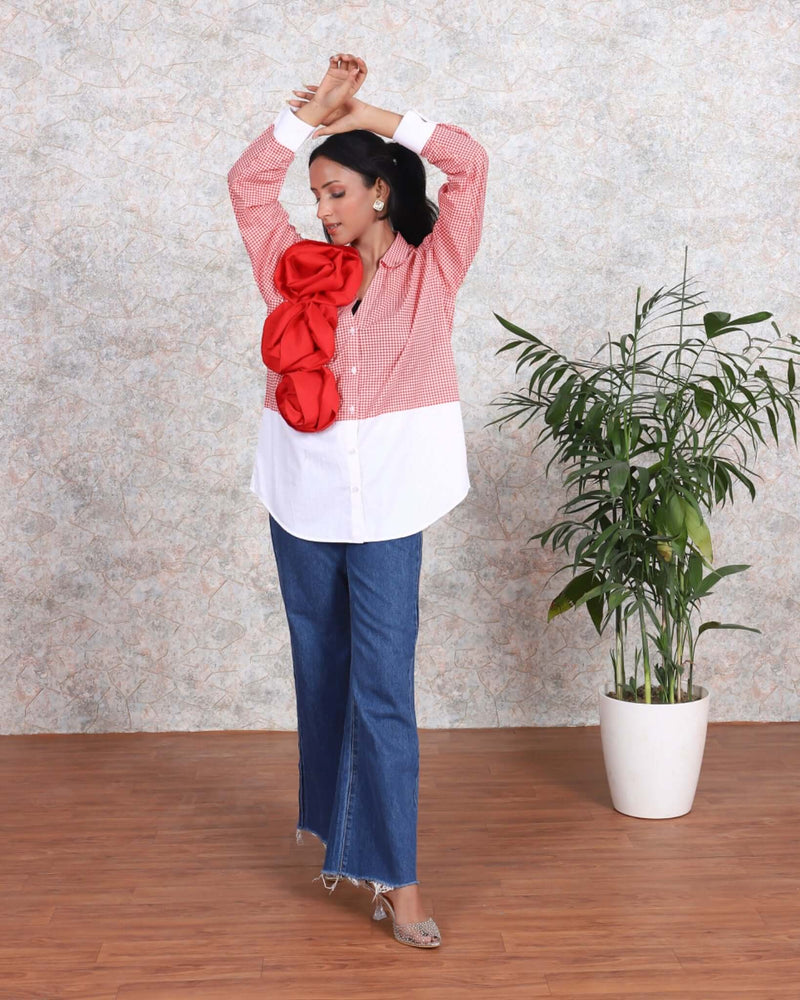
[(414, 131), (291, 131)]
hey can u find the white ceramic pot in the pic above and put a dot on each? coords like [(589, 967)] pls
[(653, 754)]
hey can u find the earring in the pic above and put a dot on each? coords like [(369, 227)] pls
[(377, 204)]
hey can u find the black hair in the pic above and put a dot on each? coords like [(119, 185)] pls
[(408, 209)]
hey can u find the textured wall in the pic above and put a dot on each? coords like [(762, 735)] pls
[(139, 585)]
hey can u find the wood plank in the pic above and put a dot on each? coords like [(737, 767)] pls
[(163, 866), (758, 979)]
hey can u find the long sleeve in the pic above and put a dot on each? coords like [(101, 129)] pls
[(457, 232), (255, 183)]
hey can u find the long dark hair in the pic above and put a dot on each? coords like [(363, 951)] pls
[(408, 209)]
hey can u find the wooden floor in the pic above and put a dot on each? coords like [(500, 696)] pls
[(165, 867)]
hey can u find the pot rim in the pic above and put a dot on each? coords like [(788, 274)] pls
[(697, 688)]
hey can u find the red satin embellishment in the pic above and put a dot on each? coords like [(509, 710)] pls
[(324, 272), (308, 401), (298, 339), (298, 336)]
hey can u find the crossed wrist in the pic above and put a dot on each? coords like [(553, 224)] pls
[(312, 114)]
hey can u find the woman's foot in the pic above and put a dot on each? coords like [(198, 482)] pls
[(411, 925), (407, 903)]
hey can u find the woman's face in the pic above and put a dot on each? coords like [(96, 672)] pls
[(344, 204)]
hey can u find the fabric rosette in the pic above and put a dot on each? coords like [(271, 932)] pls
[(298, 339), (308, 401), (320, 271), (298, 336)]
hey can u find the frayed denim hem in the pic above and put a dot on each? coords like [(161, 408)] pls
[(299, 835), (335, 877), (375, 886)]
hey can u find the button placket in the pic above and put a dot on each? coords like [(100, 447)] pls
[(347, 353), (354, 479), (353, 359), (348, 349)]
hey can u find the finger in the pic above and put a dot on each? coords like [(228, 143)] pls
[(327, 128), (361, 72)]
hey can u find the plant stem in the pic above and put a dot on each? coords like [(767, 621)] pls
[(683, 301), (619, 656), (681, 626), (683, 384), (645, 657)]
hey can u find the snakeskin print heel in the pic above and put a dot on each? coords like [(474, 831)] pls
[(412, 934)]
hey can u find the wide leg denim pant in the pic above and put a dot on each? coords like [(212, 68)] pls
[(353, 613)]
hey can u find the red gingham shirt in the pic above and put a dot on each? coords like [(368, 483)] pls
[(394, 460)]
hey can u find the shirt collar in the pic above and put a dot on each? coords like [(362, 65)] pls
[(397, 253)]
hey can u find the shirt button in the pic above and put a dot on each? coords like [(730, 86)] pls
[(352, 409), (352, 451), (354, 369), (355, 489), (352, 329)]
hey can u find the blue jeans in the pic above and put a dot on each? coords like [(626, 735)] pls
[(353, 613)]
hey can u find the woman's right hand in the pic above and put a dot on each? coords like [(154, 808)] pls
[(332, 98), (346, 117)]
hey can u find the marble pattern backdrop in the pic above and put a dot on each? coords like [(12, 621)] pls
[(140, 591)]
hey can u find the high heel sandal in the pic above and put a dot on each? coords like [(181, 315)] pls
[(408, 933)]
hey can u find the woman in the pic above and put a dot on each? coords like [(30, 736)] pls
[(350, 494)]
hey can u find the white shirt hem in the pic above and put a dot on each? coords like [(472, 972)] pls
[(360, 541), (385, 477)]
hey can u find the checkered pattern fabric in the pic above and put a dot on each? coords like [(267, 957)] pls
[(394, 460), (395, 353)]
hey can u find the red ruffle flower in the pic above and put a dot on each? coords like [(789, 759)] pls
[(322, 272), (298, 339), (308, 401), (298, 336)]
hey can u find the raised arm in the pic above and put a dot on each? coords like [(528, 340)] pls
[(457, 232), (255, 183), (256, 179)]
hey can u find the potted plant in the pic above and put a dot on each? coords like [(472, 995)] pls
[(657, 428)]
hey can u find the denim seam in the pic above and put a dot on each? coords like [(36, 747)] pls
[(349, 794), (301, 821), (416, 623)]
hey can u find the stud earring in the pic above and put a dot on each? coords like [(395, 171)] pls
[(377, 204)]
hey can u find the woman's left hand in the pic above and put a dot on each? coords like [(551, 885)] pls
[(349, 114)]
